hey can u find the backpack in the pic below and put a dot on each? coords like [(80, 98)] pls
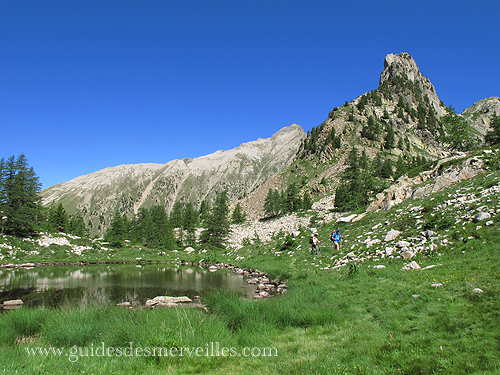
[(331, 237), (311, 240)]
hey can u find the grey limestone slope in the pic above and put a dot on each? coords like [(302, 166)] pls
[(127, 188)]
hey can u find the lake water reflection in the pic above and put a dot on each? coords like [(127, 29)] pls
[(110, 284)]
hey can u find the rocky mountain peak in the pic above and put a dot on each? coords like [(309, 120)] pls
[(399, 64), (405, 69)]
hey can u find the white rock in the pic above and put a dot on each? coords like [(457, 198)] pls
[(346, 219), (477, 290), (411, 266), (481, 216), (379, 266), (392, 235)]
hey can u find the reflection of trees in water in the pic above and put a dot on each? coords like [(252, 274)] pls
[(83, 286)]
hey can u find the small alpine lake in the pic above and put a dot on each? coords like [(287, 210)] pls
[(53, 286)]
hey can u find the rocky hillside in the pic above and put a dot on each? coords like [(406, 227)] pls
[(480, 113), (405, 106), (127, 188)]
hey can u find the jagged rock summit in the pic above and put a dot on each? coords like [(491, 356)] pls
[(403, 66), (127, 188)]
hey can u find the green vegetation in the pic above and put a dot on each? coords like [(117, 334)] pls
[(493, 136), (460, 137), (355, 319), (19, 187)]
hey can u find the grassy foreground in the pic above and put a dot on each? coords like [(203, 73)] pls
[(355, 319)]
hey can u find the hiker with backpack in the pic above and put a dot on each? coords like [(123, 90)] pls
[(314, 241), (336, 237)]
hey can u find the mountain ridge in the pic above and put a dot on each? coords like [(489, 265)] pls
[(129, 187)]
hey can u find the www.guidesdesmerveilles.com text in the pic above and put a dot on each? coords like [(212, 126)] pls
[(212, 349)]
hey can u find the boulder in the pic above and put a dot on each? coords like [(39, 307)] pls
[(481, 216), (411, 266), (407, 255), (392, 235), (346, 219)]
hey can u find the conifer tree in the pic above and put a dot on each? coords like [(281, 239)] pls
[(272, 203), (77, 226), (493, 136), (204, 211), (306, 201), (389, 138), (59, 218), (177, 215), (19, 187), (239, 216), (459, 136), (217, 224), (117, 230)]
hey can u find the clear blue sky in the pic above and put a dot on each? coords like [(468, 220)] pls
[(86, 85)]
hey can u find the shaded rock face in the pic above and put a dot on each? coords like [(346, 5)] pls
[(127, 188)]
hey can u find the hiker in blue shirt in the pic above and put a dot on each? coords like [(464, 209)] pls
[(336, 237)]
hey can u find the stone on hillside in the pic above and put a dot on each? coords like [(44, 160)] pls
[(407, 255), (392, 235), (477, 290), (403, 243), (488, 223), (431, 266), (379, 266), (189, 250), (428, 233), (411, 266), (482, 216), (359, 217), (436, 285), (377, 226), (372, 242), (346, 219)]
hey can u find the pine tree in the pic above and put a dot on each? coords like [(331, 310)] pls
[(77, 227), (19, 187), (117, 230), (177, 214), (239, 216), (217, 224), (459, 136), (306, 201), (59, 218), (389, 138), (386, 170), (190, 219), (493, 136), (204, 211), (272, 203)]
